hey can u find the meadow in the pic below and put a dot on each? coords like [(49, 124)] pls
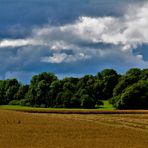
[(36, 130), (104, 108)]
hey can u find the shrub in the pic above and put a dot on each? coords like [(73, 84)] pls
[(134, 97), (14, 102), (24, 102), (43, 106), (75, 103), (99, 103), (87, 102)]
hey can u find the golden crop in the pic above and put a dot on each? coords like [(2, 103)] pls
[(35, 130)]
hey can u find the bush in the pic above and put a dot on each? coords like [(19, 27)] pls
[(66, 103), (75, 103), (87, 102), (114, 100), (24, 102), (134, 97), (43, 106), (14, 102), (99, 103)]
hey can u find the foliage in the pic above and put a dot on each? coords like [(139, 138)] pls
[(8, 89), (14, 102), (128, 91), (87, 102), (132, 90), (134, 97), (108, 80)]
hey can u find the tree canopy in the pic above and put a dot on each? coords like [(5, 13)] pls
[(127, 91)]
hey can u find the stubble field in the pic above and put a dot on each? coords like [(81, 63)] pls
[(35, 130)]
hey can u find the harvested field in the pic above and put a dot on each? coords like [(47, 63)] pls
[(26, 130), (84, 111)]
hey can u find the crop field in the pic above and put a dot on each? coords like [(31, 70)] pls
[(42, 130)]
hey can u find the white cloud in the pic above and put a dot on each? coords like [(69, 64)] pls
[(16, 43), (62, 57), (56, 58), (123, 34), (129, 30)]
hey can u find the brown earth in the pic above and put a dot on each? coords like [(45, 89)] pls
[(81, 111), (26, 130)]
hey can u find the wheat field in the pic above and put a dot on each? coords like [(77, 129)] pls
[(35, 130)]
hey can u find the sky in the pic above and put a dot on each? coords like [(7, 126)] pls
[(71, 37)]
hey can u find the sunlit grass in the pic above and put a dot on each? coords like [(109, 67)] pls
[(106, 106), (17, 107)]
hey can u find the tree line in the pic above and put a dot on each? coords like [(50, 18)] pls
[(127, 91)]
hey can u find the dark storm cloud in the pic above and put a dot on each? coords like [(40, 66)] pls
[(17, 17), (32, 40)]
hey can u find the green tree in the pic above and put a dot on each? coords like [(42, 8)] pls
[(134, 97), (86, 84), (8, 89), (134, 72), (108, 79), (21, 93), (87, 102), (75, 102), (39, 89), (66, 98), (144, 74), (55, 88)]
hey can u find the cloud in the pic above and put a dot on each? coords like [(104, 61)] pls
[(16, 43), (88, 41), (62, 57), (127, 30)]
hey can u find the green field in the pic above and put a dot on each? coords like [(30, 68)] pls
[(106, 106)]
